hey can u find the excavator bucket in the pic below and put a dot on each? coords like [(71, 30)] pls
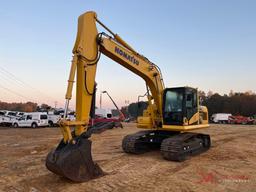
[(74, 161)]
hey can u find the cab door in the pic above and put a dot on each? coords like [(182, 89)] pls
[(191, 103), (22, 121), (29, 121)]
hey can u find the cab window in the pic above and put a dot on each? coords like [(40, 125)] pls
[(23, 118), (173, 102), (12, 113), (189, 101), (43, 116)]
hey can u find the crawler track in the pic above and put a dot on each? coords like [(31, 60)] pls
[(181, 146), (136, 143), (174, 146)]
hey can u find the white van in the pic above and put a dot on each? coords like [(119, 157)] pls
[(35, 119), (220, 117)]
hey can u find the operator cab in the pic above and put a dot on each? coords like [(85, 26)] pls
[(179, 106)]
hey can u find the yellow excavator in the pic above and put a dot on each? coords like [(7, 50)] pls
[(167, 122)]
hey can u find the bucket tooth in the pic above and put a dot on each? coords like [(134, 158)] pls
[(74, 161)]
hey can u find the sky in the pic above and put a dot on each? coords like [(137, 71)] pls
[(208, 44)]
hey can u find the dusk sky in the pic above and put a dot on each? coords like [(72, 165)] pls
[(209, 44)]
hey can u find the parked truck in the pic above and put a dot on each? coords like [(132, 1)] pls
[(7, 117), (4, 120), (239, 119), (220, 117)]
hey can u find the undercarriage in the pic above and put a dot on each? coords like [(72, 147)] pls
[(174, 146)]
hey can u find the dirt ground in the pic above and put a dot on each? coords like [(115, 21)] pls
[(230, 165)]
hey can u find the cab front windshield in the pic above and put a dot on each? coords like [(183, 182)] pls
[(173, 102)]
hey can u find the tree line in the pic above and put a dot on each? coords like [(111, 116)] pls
[(235, 103), (24, 107)]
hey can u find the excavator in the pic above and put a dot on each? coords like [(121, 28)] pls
[(167, 123)]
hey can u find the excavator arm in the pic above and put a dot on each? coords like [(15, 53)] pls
[(88, 47)]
